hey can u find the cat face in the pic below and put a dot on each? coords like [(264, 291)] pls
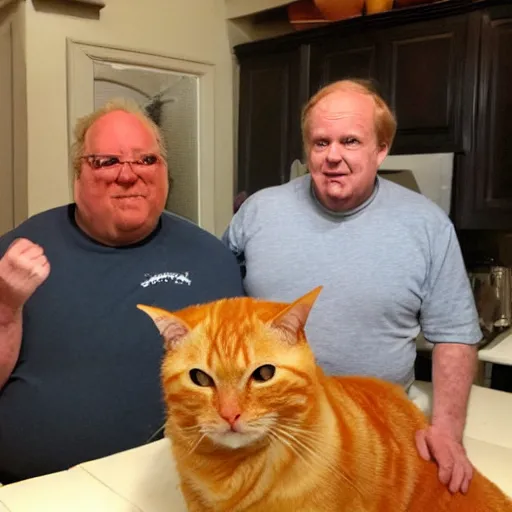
[(237, 371)]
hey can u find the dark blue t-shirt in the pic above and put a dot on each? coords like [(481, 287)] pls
[(86, 384)]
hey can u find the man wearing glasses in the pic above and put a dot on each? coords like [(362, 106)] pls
[(79, 364)]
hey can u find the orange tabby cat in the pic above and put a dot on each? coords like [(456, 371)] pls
[(256, 426)]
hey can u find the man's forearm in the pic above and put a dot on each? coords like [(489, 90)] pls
[(10, 342), (453, 371)]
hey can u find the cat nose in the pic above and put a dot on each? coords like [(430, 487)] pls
[(229, 408), (230, 417)]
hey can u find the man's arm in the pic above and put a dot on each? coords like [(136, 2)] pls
[(453, 372), (10, 341), (449, 318), (23, 268)]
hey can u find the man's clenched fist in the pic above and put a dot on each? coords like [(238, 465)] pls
[(22, 269)]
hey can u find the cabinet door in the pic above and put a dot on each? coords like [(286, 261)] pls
[(484, 182), (269, 119), (424, 75), (341, 56)]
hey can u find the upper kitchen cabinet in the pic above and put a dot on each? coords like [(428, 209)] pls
[(484, 190), (416, 67), (269, 118), (341, 56), (424, 77)]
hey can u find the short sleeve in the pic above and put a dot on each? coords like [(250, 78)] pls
[(448, 312), (234, 236)]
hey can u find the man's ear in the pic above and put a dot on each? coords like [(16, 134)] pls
[(293, 318), (382, 153), (172, 328)]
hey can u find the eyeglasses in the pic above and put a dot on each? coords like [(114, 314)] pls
[(114, 162)]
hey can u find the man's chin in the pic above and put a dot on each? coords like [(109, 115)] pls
[(132, 228), (337, 192), (338, 186)]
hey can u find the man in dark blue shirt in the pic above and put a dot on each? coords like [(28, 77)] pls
[(79, 364)]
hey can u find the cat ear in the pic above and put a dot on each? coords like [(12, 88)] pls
[(293, 318), (172, 329)]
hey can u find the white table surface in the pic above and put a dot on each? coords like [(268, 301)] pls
[(143, 479), (499, 350)]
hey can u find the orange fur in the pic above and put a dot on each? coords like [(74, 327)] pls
[(304, 442)]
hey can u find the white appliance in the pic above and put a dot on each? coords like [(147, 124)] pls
[(429, 174)]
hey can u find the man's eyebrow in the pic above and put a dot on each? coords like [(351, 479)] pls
[(137, 151)]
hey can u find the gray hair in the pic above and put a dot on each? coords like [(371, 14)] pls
[(122, 104)]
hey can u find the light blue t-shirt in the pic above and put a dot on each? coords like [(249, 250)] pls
[(389, 268)]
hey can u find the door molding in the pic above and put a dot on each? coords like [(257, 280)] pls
[(12, 28)]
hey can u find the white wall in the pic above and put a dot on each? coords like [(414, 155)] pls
[(238, 8), (190, 29)]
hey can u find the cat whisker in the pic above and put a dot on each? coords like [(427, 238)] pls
[(294, 424), (196, 444), (153, 436), (299, 428), (274, 436), (191, 428), (209, 429), (312, 435), (291, 421), (301, 439), (259, 426)]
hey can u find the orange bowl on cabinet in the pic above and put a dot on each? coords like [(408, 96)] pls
[(335, 10), (375, 6), (407, 3)]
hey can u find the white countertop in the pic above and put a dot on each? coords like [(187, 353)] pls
[(499, 350), (143, 479)]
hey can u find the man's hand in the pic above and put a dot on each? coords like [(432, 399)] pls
[(23, 269), (455, 470)]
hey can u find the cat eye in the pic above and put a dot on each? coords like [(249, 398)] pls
[(200, 378), (264, 373)]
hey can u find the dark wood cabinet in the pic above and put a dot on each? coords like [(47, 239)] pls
[(269, 119), (340, 57), (425, 67), (446, 70), (501, 377), (416, 68), (486, 192)]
